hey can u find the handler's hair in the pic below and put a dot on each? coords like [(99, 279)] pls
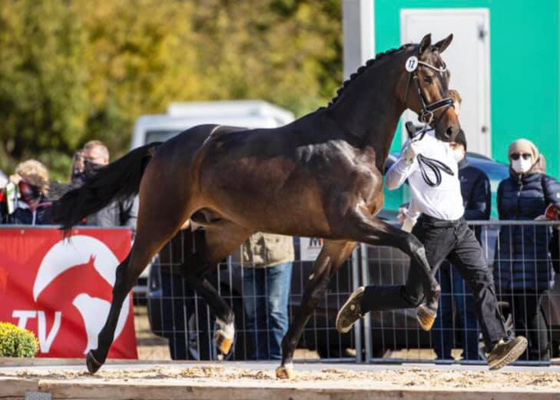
[(455, 96)]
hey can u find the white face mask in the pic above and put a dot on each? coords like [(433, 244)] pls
[(458, 155), (521, 166)]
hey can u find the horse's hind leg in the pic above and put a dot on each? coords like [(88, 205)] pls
[(330, 259), (145, 247), (158, 222), (96, 358), (217, 244), (225, 318)]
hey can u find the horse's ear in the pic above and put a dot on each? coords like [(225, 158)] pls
[(443, 44), (425, 43)]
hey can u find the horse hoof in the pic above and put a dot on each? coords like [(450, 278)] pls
[(92, 364), (426, 317), (285, 372), (223, 342)]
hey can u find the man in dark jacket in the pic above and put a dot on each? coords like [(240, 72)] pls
[(523, 269), (119, 213), (476, 193)]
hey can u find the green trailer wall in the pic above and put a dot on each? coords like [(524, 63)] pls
[(524, 68)]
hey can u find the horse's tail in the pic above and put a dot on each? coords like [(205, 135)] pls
[(116, 181)]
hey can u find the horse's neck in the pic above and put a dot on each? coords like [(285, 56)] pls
[(370, 109)]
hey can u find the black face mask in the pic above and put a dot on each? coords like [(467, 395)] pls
[(29, 192), (78, 177), (91, 169)]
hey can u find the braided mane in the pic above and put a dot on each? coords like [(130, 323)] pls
[(360, 71)]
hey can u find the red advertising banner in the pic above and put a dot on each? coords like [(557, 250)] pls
[(61, 289)]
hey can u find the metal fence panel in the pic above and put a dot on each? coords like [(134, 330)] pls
[(180, 314), (395, 335)]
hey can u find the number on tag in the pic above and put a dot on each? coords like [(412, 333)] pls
[(411, 63)]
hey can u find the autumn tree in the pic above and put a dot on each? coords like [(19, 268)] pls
[(74, 70)]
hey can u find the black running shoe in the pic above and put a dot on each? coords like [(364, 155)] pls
[(505, 352), (350, 312)]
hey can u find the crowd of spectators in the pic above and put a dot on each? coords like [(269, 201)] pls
[(26, 196)]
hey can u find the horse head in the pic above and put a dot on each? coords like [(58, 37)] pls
[(426, 88)]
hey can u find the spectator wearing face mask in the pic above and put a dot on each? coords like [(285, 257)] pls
[(523, 268), (32, 180), (119, 213)]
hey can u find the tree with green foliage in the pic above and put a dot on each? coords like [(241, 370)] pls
[(75, 70), (43, 86)]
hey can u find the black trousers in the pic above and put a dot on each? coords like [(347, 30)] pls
[(452, 240)]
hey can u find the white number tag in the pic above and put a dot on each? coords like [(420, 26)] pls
[(411, 64)]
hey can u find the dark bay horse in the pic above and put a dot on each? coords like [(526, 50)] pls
[(320, 176)]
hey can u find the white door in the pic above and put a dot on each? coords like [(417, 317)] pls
[(468, 58)]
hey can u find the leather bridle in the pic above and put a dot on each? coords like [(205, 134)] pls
[(428, 110)]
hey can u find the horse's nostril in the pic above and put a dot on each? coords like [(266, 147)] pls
[(449, 132)]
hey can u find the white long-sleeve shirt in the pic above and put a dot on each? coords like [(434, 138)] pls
[(444, 201)]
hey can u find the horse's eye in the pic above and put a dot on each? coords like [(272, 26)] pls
[(428, 79)]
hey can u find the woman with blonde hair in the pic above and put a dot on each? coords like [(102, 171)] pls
[(523, 268), (32, 180)]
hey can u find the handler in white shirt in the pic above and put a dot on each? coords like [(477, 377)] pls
[(430, 196), (436, 215)]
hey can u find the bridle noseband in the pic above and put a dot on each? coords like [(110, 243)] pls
[(428, 110)]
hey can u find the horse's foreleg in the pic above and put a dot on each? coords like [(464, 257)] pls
[(330, 259)]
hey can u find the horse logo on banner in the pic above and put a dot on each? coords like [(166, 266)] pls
[(66, 255)]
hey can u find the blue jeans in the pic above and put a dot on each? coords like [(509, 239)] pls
[(265, 293), (176, 298), (453, 290)]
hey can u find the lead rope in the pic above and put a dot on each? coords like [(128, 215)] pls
[(436, 167)]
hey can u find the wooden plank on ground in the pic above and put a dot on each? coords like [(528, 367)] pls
[(15, 388), (96, 390)]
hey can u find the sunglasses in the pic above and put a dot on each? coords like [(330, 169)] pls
[(29, 192), (525, 156)]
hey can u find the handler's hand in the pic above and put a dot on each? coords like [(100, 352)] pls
[(408, 224), (412, 150), (402, 214)]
